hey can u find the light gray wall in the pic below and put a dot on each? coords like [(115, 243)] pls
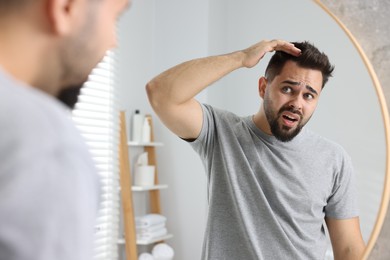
[(155, 35)]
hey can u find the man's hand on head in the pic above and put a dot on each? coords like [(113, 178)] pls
[(256, 52)]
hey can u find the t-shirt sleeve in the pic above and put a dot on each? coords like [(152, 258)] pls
[(342, 203), (203, 143)]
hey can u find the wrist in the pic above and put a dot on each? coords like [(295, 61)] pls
[(238, 58)]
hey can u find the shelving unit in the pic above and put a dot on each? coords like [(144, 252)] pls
[(130, 241)]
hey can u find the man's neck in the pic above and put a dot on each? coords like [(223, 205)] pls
[(21, 52), (260, 120)]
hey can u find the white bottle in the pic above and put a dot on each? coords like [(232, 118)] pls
[(136, 129), (146, 131)]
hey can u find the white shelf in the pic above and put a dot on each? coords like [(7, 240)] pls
[(146, 188), (140, 144), (151, 241), (121, 241)]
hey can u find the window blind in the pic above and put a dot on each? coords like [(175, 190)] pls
[(96, 114)]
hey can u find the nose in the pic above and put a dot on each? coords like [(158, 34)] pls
[(296, 103)]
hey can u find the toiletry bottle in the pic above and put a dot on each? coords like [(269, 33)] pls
[(136, 133), (146, 131)]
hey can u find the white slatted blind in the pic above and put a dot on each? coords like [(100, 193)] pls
[(97, 116)]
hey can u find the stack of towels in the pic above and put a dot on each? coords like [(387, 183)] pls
[(160, 251), (150, 226)]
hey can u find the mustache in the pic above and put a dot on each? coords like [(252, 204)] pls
[(290, 109)]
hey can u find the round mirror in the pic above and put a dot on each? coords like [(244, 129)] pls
[(366, 25)]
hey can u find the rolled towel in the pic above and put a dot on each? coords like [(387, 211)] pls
[(162, 251), (153, 235), (145, 256), (150, 229), (149, 220)]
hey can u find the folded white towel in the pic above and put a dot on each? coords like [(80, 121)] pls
[(149, 220), (150, 229), (152, 235), (162, 251)]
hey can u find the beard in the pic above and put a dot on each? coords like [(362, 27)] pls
[(69, 96), (282, 132), (75, 70)]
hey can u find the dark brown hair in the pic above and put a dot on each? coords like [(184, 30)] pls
[(8, 7), (310, 58)]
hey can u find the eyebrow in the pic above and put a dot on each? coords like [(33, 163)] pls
[(308, 87)]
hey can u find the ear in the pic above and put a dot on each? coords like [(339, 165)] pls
[(63, 14), (262, 86)]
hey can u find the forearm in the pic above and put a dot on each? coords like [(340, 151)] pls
[(347, 240), (184, 81), (350, 253)]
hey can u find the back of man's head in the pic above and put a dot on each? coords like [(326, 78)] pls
[(310, 58), (7, 6)]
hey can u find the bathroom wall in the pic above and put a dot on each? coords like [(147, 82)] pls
[(155, 35)]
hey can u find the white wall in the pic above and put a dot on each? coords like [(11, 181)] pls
[(156, 35)]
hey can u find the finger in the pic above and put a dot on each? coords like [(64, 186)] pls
[(287, 47)]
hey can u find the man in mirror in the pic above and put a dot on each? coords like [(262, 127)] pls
[(274, 185), (49, 187)]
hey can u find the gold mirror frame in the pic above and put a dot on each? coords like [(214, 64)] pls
[(375, 248)]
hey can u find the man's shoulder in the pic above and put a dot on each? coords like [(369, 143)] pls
[(31, 118), (325, 144), (220, 113), (26, 106)]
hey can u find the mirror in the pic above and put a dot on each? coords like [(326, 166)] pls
[(349, 111), (367, 28)]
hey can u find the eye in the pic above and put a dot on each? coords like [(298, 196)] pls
[(308, 96), (287, 90)]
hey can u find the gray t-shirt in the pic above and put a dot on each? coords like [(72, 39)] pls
[(267, 198), (49, 188)]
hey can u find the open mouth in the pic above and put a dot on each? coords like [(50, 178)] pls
[(290, 119)]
